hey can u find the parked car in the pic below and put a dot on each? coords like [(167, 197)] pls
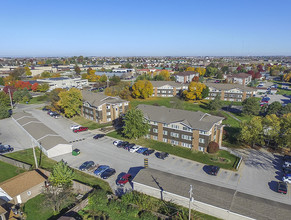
[(97, 136), (287, 179), (128, 146), (75, 126), (56, 115), (45, 108), (122, 144), (108, 173), (282, 187), (124, 179), (5, 148), (80, 129), (134, 148), (116, 142), (86, 165), (162, 155), (101, 169), (286, 164), (148, 152), (213, 170), (287, 158), (287, 170), (141, 150)]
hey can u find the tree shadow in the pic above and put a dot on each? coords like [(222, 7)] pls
[(273, 185), (232, 134)]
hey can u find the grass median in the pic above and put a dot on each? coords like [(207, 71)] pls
[(222, 158), (47, 164), (89, 123)]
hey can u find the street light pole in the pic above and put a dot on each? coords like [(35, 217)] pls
[(190, 198)]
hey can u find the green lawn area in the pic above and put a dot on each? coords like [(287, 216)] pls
[(88, 123), (8, 171), (211, 159), (284, 92), (36, 100), (46, 163)]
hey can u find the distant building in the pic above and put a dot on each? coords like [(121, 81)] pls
[(240, 78), (185, 77), (194, 130), (64, 82), (230, 92), (101, 108), (167, 88)]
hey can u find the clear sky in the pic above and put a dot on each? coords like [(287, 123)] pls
[(145, 27)]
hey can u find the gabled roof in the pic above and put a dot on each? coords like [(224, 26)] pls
[(22, 182), (239, 75), (229, 86), (170, 83), (186, 73), (97, 99), (196, 120)]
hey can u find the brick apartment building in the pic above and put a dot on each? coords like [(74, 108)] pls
[(230, 92), (183, 128), (167, 88), (101, 108), (185, 77)]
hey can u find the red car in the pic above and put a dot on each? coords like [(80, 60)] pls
[(80, 129), (124, 179)]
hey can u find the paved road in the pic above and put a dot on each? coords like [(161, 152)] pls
[(257, 175)]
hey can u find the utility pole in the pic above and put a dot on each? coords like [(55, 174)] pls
[(190, 199), (10, 98)]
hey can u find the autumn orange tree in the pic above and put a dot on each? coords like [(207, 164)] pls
[(190, 68), (287, 77), (142, 89), (194, 91), (165, 74)]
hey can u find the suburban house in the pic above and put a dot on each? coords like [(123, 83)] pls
[(189, 129), (22, 187), (101, 108), (185, 77), (167, 88), (240, 78), (230, 92), (64, 82)]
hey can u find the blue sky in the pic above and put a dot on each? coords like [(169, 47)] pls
[(145, 28)]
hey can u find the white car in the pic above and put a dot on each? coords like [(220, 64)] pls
[(73, 127), (134, 148), (287, 179), (116, 142)]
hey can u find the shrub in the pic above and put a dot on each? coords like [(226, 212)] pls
[(213, 147)]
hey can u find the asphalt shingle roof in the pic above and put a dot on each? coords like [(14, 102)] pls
[(97, 99), (197, 120), (229, 86), (163, 83)]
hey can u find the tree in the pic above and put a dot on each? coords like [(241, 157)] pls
[(252, 131), (4, 99), (4, 113), (212, 147), (27, 71), (142, 89), (211, 70), (43, 87), (287, 77), (34, 87), (17, 73), (285, 134), (115, 79), (271, 126), (77, 69), (125, 93), (190, 68), (135, 125), (2, 83), (274, 108), (165, 74), (103, 78), (70, 101), (205, 92), (195, 79), (215, 103), (251, 106), (62, 175), (201, 71), (45, 74), (194, 91), (286, 109)]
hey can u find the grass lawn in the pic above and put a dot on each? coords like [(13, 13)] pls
[(284, 92), (35, 100), (88, 123), (211, 159), (8, 171), (46, 163)]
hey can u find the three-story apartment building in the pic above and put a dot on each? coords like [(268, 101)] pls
[(101, 108), (194, 130), (230, 92), (167, 88)]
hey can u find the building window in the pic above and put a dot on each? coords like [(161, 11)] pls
[(165, 132), (155, 130), (165, 125), (175, 126), (186, 145), (186, 137), (108, 119), (108, 113), (202, 132), (155, 137), (214, 137), (155, 123), (174, 142), (108, 106), (165, 140), (187, 129), (201, 140), (201, 148), (173, 134)]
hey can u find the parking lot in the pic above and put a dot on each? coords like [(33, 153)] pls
[(256, 176)]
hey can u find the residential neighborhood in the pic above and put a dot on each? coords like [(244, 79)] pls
[(145, 110)]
